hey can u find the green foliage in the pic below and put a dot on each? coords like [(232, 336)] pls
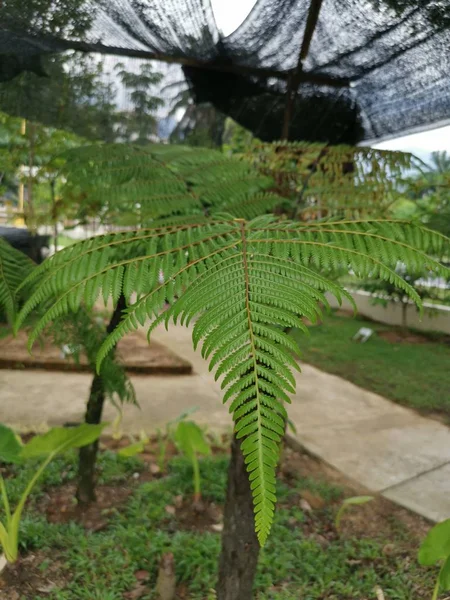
[(436, 546), (135, 185), (139, 124), (434, 549), (105, 562), (136, 447), (48, 446), (353, 501), (191, 440), (241, 281), (325, 181), (15, 266), (10, 445), (236, 139), (164, 438), (384, 292), (428, 190), (85, 332), (60, 439), (81, 332)]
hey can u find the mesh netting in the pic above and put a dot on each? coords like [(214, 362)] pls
[(373, 68)]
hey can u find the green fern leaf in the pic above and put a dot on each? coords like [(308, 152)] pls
[(240, 282), (14, 268)]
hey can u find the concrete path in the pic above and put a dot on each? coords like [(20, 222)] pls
[(383, 446)]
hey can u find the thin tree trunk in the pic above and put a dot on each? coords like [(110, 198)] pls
[(85, 493), (240, 546)]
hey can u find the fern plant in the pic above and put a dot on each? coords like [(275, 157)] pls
[(136, 185), (14, 268), (240, 282), (340, 181), (82, 332)]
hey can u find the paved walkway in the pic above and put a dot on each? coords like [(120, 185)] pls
[(383, 446)]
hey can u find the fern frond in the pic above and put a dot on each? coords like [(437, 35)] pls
[(134, 185), (326, 181), (15, 267), (240, 282)]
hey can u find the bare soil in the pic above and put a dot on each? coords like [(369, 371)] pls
[(403, 337), (136, 354)]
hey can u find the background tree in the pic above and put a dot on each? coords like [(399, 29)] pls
[(385, 292), (430, 191), (138, 124)]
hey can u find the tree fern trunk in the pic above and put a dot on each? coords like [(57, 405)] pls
[(85, 493), (240, 547)]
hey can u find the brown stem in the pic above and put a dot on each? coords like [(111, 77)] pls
[(240, 546), (85, 493)]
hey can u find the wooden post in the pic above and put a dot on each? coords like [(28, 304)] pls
[(296, 75), (290, 97)]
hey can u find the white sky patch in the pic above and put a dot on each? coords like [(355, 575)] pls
[(420, 144), (229, 14)]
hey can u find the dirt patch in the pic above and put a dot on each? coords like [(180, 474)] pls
[(378, 519), (59, 505), (406, 337), (342, 312), (25, 579), (135, 352)]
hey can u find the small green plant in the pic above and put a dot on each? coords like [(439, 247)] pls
[(436, 549), (136, 447), (191, 441), (46, 446), (164, 438), (353, 501)]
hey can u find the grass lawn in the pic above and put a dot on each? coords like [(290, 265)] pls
[(414, 374), (65, 240), (304, 559)]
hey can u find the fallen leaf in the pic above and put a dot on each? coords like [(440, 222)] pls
[(142, 575), (379, 592), (137, 592), (217, 527), (46, 589), (314, 500), (198, 506), (154, 469), (389, 549), (305, 505), (178, 501), (171, 510)]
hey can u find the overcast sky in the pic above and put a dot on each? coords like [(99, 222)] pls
[(229, 15)]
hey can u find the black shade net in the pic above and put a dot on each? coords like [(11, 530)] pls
[(372, 69)]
